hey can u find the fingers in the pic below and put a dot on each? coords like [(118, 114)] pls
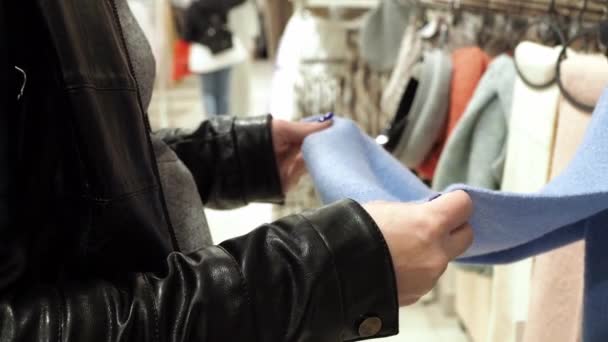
[(459, 241), (298, 170), (297, 131), (451, 210)]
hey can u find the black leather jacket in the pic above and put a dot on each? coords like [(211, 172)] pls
[(89, 253)]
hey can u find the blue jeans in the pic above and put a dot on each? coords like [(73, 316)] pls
[(216, 92)]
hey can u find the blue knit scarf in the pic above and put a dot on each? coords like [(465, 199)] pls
[(345, 163)]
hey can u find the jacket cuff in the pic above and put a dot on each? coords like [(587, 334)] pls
[(364, 267), (255, 151)]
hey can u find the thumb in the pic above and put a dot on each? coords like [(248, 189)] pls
[(452, 210), (297, 131)]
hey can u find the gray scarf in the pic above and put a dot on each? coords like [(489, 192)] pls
[(428, 113)]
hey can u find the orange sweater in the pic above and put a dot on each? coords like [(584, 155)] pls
[(469, 64)]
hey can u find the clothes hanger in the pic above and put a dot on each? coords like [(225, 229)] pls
[(551, 19), (601, 32)]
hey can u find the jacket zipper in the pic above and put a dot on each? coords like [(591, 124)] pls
[(148, 128)]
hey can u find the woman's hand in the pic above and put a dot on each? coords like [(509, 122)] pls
[(287, 138), (423, 239)]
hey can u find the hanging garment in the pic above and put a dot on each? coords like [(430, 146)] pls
[(411, 49), (473, 294), (468, 66), (387, 21), (477, 143), (474, 153), (410, 54), (277, 14), (245, 24), (555, 311), (326, 74), (529, 150), (286, 67), (428, 112)]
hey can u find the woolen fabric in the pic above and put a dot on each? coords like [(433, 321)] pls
[(428, 112), (474, 153), (345, 163), (528, 160), (468, 66), (555, 312), (410, 54)]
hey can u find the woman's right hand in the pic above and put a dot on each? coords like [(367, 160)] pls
[(423, 239)]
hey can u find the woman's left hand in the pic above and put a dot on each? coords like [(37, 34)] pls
[(287, 138)]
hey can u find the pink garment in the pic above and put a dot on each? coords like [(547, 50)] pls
[(555, 312)]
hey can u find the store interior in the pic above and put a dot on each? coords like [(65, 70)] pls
[(497, 95)]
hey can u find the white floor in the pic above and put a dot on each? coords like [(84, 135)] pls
[(419, 323)]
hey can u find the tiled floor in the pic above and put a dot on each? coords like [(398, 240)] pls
[(419, 323)]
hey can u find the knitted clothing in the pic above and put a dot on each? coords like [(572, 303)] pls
[(468, 66), (410, 53), (555, 311), (474, 153), (345, 163), (428, 111), (528, 160)]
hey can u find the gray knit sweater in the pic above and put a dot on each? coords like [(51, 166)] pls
[(185, 206)]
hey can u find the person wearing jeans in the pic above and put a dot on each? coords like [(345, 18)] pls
[(216, 91)]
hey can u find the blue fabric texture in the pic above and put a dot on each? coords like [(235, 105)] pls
[(345, 163)]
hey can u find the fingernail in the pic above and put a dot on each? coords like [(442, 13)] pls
[(326, 117)]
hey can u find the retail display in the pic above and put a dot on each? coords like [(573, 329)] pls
[(528, 160), (508, 226), (555, 310), (489, 119)]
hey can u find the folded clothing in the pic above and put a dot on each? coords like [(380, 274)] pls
[(345, 163)]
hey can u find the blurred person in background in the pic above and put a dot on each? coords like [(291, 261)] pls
[(215, 50)]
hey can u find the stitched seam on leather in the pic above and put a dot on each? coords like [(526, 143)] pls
[(273, 156), (245, 291), (243, 194), (154, 307), (333, 261)]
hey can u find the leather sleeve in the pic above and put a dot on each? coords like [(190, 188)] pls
[(311, 277), (232, 160)]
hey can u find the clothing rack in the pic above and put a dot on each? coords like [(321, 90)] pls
[(586, 10), (339, 3)]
